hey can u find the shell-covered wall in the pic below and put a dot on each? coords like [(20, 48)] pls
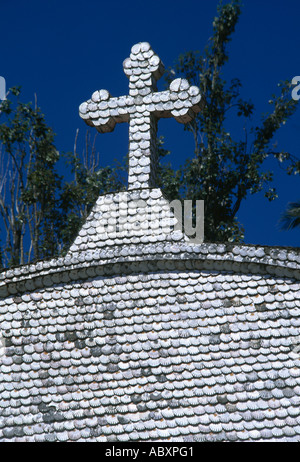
[(141, 335), (166, 355)]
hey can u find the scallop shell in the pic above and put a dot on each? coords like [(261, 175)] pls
[(74, 435), (289, 431), (40, 438), (28, 430), (193, 420), (64, 405), (189, 392), (284, 373), (77, 396), (85, 433), (18, 420), (281, 413), (215, 428), (62, 436), (277, 432), (162, 433)]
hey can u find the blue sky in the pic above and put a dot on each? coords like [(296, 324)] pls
[(63, 51)]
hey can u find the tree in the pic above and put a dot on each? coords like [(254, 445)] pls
[(223, 171), (89, 181), (29, 183), (291, 217), (40, 211)]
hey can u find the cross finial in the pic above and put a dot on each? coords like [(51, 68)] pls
[(142, 108)]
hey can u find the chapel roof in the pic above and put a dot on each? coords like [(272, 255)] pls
[(139, 333)]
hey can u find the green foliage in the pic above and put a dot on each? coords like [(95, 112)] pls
[(29, 182), (40, 211), (291, 217), (167, 177), (79, 195), (223, 170)]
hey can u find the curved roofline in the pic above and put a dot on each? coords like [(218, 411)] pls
[(144, 258)]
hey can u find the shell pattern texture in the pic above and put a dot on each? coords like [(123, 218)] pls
[(126, 351), (137, 333)]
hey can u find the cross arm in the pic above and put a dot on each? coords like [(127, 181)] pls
[(103, 112), (181, 101)]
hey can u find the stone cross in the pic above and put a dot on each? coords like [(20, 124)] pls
[(142, 108)]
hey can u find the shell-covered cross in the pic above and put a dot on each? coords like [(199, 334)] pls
[(142, 108)]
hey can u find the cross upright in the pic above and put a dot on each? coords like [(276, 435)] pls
[(142, 108)]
